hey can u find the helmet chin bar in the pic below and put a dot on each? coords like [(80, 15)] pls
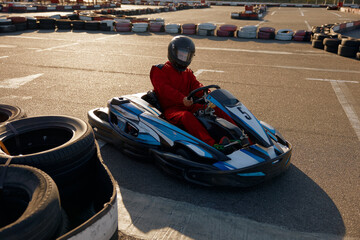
[(178, 67)]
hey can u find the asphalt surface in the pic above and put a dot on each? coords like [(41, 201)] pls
[(309, 95)]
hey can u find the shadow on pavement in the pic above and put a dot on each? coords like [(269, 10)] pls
[(293, 200)]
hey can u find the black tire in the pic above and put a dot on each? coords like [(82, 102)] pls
[(92, 25), (21, 26), (63, 24), (332, 49), (331, 42), (320, 36), (7, 28), (350, 43), (61, 146), (29, 205), (346, 51), (47, 23), (78, 25), (317, 44), (32, 23), (9, 113)]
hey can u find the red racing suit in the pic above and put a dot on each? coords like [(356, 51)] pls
[(171, 86)]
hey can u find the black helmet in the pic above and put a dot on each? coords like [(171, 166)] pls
[(180, 52)]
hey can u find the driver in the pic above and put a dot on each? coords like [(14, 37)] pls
[(173, 81)]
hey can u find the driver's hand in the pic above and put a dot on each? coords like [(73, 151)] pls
[(187, 102)]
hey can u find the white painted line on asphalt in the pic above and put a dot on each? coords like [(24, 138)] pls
[(331, 80), (61, 46), (348, 108), (102, 38), (259, 23), (13, 96), (246, 50), (198, 72), (313, 69), (38, 38), (308, 25), (7, 46), (3, 57), (336, 14), (301, 12), (273, 13), (17, 82)]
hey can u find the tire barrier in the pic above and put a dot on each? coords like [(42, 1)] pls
[(140, 27), (29, 200), (226, 30), (189, 28), (123, 26), (284, 35), (107, 25), (206, 29), (92, 25), (330, 38), (172, 28), (266, 33), (249, 31), (302, 36), (68, 194), (63, 24), (59, 145), (9, 113), (349, 48), (156, 27)]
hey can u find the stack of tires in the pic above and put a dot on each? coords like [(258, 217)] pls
[(349, 48), (140, 27), (47, 23), (20, 23), (172, 28), (32, 23), (52, 178), (284, 35), (6, 26), (248, 31), (63, 24), (266, 33), (123, 26), (189, 29), (206, 29), (331, 44), (318, 40), (107, 25), (302, 36), (78, 24), (92, 25), (157, 25), (226, 30)]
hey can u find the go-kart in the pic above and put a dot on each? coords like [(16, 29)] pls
[(256, 153)]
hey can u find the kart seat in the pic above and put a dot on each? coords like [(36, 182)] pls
[(151, 98)]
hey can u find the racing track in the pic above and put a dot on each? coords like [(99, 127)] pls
[(309, 95)]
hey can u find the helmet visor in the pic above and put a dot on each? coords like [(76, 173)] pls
[(185, 55)]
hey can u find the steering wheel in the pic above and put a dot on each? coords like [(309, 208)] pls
[(205, 88)]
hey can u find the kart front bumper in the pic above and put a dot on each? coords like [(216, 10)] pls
[(208, 175)]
